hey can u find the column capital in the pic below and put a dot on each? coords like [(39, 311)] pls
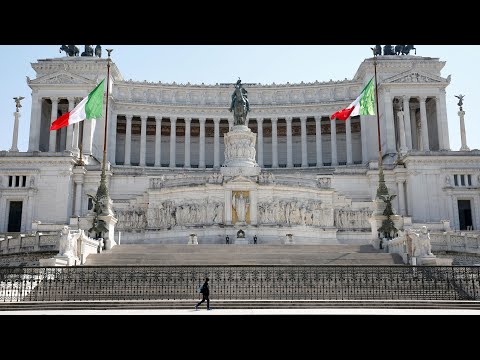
[(173, 119), (318, 117), (288, 118), (54, 99), (406, 97), (142, 117), (216, 120), (259, 120), (422, 98), (274, 119), (202, 120), (129, 117), (187, 119), (303, 118), (71, 99)]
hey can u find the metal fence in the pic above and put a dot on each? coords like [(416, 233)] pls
[(82, 283)]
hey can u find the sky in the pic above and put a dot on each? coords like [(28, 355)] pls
[(265, 64)]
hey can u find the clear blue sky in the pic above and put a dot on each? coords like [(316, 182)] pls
[(263, 64)]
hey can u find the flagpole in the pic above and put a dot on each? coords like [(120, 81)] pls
[(103, 196), (382, 188), (106, 116)]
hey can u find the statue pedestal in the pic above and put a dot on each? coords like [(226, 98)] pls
[(60, 260), (240, 153), (192, 239), (109, 238), (241, 241)]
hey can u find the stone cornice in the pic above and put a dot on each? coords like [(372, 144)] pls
[(147, 93), (17, 171), (87, 66), (398, 63), (264, 111), (36, 159)]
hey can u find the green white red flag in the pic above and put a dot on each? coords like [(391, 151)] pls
[(89, 108), (364, 104)]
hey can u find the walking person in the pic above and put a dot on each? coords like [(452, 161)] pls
[(206, 293)]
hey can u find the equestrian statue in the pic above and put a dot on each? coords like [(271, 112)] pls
[(240, 104)]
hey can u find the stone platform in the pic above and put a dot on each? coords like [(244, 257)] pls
[(214, 254)]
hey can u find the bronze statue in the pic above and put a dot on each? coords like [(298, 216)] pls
[(406, 49), (70, 50), (460, 100), (17, 101), (98, 51), (388, 50), (240, 104), (88, 51), (388, 229)]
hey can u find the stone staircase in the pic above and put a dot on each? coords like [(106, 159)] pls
[(259, 254), (239, 304)]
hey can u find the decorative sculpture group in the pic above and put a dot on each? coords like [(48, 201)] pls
[(72, 50), (398, 50)]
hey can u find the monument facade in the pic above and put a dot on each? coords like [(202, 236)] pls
[(212, 160)]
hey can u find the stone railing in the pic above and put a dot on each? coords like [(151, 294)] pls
[(447, 241), (398, 246), (21, 243), (69, 243), (463, 242), (74, 247)]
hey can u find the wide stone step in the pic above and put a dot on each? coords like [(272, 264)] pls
[(240, 304), (161, 254)]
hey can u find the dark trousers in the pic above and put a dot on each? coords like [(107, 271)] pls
[(205, 297)]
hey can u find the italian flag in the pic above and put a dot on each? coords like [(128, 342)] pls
[(89, 108), (364, 104)]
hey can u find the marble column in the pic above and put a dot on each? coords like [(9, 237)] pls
[(188, 123), (401, 125), (274, 143), (201, 159), (303, 126), (363, 135), (348, 135), (444, 121), (216, 143), (230, 124), (143, 139), (438, 107), (158, 141), (401, 197), (260, 142), (78, 198), (407, 121), (128, 140), (112, 135), (463, 135), (76, 131), (53, 117), (333, 136), (318, 140), (389, 132), (288, 121), (173, 141), (35, 119), (14, 147), (70, 128), (413, 122), (423, 120), (247, 121)]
